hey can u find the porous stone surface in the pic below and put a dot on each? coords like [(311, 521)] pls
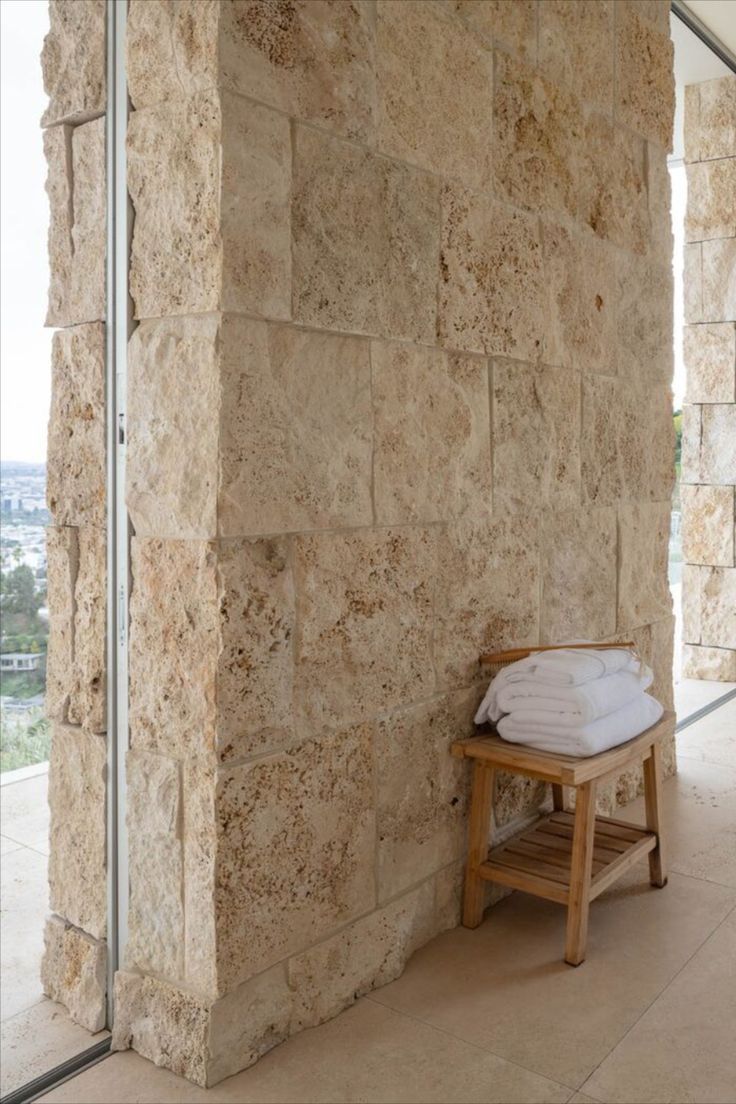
[(612, 184), (643, 593), (578, 574), (718, 607), (536, 434), (172, 49), (718, 443), (710, 119), (75, 481), (645, 415), (248, 1022), (601, 464), (576, 47), (295, 849), (515, 799), (62, 565), (644, 319), (77, 877), (693, 282), (295, 430), (718, 664), (435, 81), (74, 972), (73, 60), (645, 87), (710, 362), (692, 429), (691, 604), (57, 150), (512, 27), (166, 1025), (708, 525), (87, 696), (491, 277), (719, 280), (711, 200), (431, 448)]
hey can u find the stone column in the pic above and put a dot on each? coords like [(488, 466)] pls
[(709, 418), (73, 59)]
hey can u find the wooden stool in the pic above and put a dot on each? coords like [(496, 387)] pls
[(566, 857)]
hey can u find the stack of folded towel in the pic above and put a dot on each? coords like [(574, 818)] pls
[(573, 702)]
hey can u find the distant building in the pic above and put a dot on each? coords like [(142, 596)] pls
[(21, 661)]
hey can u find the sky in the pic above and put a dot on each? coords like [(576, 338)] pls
[(25, 346)]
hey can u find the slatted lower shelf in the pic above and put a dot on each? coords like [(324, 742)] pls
[(538, 859)]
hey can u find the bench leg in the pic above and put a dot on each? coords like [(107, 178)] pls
[(580, 874), (653, 803), (481, 804), (558, 798)]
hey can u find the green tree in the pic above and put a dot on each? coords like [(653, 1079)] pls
[(19, 593)]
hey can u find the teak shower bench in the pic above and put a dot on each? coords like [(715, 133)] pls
[(567, 857)]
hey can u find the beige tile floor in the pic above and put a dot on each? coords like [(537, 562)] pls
[(494, 1015)]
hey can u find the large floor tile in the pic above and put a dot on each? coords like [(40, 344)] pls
[(38, 1039), (24, 892), (7, 845), (369, 1054), (712, 740), (682, 1049), (504, 986), (692, 694), (24, 812)]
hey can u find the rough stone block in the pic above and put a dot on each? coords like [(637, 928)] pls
[(371, 952), (656, 11), (578, 574), (435, 82), (421, 790), (659, 188), (576, 48), (644, 318), (643, 543), (263, 1004), (719, 281), (711, 200), (645, 86), (448, 895), (515, 799), (57, 147), (62, 566), (691, 603), (718, 664), (708, 525), (536, 435), (74, 61), (74, 972), (365, 602), (710, 119), (718, 443), (172, 49), (365, 241), (646, 441), (710, 362), (75, 482), (156, 907), (295, 850), (487, 594), (295, 430), (581, 295), (693, 283), (601, 462), (718, 607), (491, 289), (538, 128), (87, 698), (432, 451), (312, 60), (691, 434), (611, 184), (512, 27), (77, 878)]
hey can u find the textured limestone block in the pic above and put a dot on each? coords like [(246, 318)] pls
[(73, 61), (435, 82), (512, 27), (710, 362), (644, 319), (538, 128), (719, 281), (365, 241), (718, 664), (75, 482), (62, 566), (718, 443), (312, 60), (578, 574), (646, 441), (173, 427), (656, 11), (487, 594), (710, 119), (371, 952), (711, 200), (645, 87), (601, 462), (255, 662), (580, 285), (655, 644), (448, 894), (296, 850), (643, 593), (491, 290), (77, 879), (156, 909), (659, 188), (295, 430), (693, 283), (611, 184), (264, 1005), (707, 525), (422, 790), (366, 603), (536, 434), (87, 696), (718, 607), (74, 972), (57, 147), (89, 229), (691, 604), (576, 48), (692, 429), (174, 638), (515, 798), (432, 458), (172, 49)]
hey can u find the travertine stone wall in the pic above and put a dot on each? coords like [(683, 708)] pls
[(73, 59), (709, 418), (400, 392)]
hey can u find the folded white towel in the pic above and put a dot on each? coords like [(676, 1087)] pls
[(572, 704), (589, 739)]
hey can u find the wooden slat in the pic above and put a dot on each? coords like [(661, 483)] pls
[(564, 831), (508, 857), (523, 880), (614, 870), (563, 846), (555, 857), (653, 804), (605, 827)]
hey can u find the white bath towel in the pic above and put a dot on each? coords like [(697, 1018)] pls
[(572, 704), (589, 739)]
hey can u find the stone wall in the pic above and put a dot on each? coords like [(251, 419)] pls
[(400, 392), (709, 417), (73, 59)]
